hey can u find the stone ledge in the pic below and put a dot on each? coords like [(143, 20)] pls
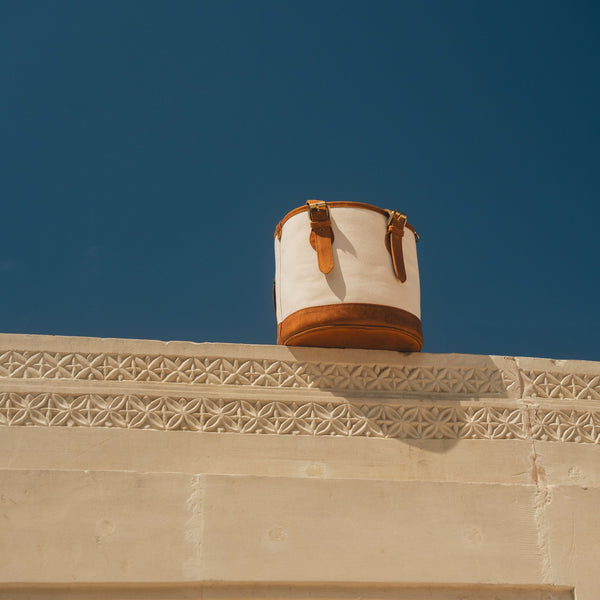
[(233, 388)]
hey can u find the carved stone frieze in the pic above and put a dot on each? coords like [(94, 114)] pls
[(82, 382), (298, 418), (260, 373), (575, 386)]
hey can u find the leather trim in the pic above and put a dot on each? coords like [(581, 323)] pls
[(393, 242), (339, 204), (352, 325), (321, 234)]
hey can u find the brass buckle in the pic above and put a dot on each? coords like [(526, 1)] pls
[(396, 214), (318, 205)]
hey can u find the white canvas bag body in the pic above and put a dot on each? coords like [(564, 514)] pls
[(346, 276)]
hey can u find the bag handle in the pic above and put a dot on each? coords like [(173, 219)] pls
[(321, 234), (393, 241)]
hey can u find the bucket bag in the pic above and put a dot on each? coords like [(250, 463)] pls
[(346, 276)]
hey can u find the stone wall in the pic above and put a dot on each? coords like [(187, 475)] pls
[(142, 469)]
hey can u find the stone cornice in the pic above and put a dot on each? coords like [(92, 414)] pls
[(61, 381)]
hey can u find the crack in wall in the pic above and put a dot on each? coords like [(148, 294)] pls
[(543, 497), (194, 528), (543, 492)]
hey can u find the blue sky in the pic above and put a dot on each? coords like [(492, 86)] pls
[(148, 149)]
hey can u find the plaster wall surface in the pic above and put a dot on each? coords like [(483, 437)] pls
[(142, 469)]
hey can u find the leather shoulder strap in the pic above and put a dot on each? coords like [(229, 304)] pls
[(321, 234), (393, 242)]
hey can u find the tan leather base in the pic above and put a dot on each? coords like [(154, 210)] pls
[(369, 326)]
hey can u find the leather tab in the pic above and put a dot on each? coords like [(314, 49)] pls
[(321, 234), (393, 242)]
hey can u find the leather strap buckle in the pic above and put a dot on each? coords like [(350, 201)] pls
[(396, 214), (316, 205)]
